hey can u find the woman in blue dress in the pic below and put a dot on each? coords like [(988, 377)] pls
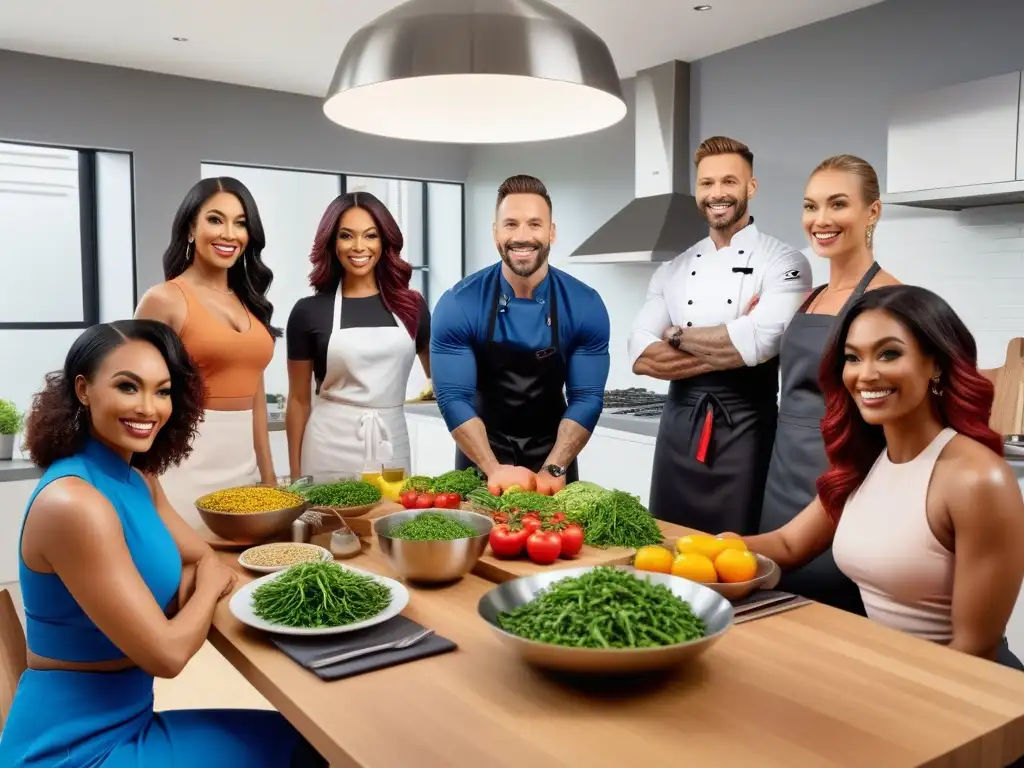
[(117, 588)]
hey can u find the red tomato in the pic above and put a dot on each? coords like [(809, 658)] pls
[(409, 499), (531, 521), (441, 500), (505, 542), (500, 517), (543, 547), (558, 517), (453, 501), (425, 501), (572, 540)]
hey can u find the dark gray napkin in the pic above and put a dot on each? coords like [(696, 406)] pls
[(304, 650), (766, 602)]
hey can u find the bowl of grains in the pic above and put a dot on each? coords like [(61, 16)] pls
[(270, 558), (250, 514)]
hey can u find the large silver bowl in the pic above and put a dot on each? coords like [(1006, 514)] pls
[(433, 562), (250, 527), (715, 610)]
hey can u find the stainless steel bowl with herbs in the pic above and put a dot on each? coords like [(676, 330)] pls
[(433, 545), (605, 619)]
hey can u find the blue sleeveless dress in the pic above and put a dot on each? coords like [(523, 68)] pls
[(62, 719)]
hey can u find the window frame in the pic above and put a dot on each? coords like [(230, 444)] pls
[(89, 231)]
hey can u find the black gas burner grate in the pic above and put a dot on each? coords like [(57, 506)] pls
[(634, 402)]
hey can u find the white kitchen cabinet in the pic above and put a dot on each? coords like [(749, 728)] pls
[(620, 460), (956, 136), (433, 447)]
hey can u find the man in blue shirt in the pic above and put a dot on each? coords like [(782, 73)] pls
[(509, 342)]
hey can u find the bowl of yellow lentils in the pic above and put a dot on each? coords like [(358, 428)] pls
[(250, 514)]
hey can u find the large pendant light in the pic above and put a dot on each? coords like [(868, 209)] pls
[(475, 72)]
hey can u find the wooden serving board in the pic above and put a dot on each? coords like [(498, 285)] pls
[(500, 570)]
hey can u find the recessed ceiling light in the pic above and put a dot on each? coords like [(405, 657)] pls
[(702, 7), (180, 39)]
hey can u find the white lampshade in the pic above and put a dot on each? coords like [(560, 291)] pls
[(475, 72)]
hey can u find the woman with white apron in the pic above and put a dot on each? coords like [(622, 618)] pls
[(215, 300), (356, 338)]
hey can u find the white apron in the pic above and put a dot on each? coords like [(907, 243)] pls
[(358, 420), (223, 456)]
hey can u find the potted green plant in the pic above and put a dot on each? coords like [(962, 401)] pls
[(10, 425)]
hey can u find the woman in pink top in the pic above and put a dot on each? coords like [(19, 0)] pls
[(920, 508)]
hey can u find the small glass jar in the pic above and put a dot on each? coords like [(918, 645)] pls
[(345, 544)]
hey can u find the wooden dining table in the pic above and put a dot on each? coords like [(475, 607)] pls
[(811, 687)]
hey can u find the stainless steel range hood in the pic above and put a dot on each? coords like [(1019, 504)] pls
[(663, 220)]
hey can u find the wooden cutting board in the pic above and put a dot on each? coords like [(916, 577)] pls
[(1008, 407), (500, 570)]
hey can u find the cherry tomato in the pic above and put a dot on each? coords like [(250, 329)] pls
[(425, 501), (531, 522), (572, 540), (544, 547), (409, 499), (558, 517), (505, 542)]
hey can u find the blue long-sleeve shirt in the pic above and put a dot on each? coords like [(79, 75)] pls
[(460, 324)]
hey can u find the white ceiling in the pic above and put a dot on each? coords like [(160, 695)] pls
[(294, 45)]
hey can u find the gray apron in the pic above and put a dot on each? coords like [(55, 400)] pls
[(798, 456)]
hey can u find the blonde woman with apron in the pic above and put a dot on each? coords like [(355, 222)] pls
[(357, 338), (215, 300)]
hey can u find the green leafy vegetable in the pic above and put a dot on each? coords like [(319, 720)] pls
[(352, 493), (481, 498), (319, 595), (432, 526), (460, 481), (529, 501), (618, 519), (605, 608), (579, 499)]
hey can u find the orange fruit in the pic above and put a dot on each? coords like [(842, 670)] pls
[(732, 544), (653, 558), (734, 565), (700, 544), (695, 567)]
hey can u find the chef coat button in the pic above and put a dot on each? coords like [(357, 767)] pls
[(694, 272), (741, 253), (698, 255), (688, 325), (729, 301), (690, 301)]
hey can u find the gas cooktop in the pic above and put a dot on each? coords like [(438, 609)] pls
[(634, 402)]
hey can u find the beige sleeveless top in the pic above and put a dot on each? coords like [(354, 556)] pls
[(884, 544)]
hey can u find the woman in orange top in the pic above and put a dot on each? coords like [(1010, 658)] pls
[(215, 299)]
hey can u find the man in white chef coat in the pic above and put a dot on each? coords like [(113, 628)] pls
[(711, 326)]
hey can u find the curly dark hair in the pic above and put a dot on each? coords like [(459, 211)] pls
[(58, 426)]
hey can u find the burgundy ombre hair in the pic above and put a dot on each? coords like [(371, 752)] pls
[(851, 443), (392, 271)]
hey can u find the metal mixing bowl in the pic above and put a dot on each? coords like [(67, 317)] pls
[(250, 527), (715, 610), (768, 575), (433, 561)]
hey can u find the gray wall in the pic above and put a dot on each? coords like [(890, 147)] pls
[(827, 88), (172, 124), (795, 99)]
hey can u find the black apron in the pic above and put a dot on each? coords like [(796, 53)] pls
[(798, 458), (520, 394), (713, 448)]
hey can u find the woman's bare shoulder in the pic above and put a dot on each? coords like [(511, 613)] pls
[(164, 302), (975, 475)]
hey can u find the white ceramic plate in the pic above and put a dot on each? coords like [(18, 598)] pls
[(241, 607), (325, 555)]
